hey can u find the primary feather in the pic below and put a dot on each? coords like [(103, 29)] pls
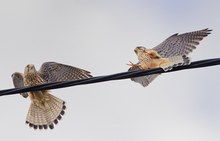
[(52, 72)]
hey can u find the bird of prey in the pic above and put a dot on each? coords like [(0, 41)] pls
[(45, 109), (170, 53)]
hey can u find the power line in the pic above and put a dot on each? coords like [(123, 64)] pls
[(117, 76)]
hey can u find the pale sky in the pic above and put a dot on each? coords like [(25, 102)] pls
[(100, 36)]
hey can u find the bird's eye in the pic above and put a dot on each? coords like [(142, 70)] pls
[(142, 49)]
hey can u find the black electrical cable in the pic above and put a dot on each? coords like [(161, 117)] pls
[(118, 76)]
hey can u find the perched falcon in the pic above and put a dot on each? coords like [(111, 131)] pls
[(45, 109), (170, 53)]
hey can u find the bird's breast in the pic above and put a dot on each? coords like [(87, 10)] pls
[(32, 79)]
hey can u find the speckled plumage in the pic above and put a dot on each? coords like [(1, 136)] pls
[(45, 109), (170, 53)]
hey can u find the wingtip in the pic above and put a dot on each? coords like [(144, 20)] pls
[(207, 30)]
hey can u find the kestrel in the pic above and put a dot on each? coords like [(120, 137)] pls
[(170, 53), (45, 109)]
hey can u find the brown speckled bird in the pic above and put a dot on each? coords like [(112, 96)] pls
[(170, 53), (45, 109)]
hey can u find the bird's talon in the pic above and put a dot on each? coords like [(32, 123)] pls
[(132, 64)]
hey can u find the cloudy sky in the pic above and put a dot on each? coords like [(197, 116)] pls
[(100, 36)]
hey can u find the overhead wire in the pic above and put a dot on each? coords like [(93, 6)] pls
[(111, 77)]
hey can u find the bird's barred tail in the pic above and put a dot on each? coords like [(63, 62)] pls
[(45, 117), (176, 61)]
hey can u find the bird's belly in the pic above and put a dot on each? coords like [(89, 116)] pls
[(149, 64)]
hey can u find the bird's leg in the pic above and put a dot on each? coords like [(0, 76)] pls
[(132, 64)]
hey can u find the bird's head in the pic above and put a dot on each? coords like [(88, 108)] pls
[(140, 49), (17, 76), (30, 68)]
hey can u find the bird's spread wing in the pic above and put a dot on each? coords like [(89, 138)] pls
[(52, 72), (181, 44), (143, 80), (18, 81)]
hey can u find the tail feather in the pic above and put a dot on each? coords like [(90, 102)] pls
[(176, 61), (36, 117), (45, 117), (143, 80)]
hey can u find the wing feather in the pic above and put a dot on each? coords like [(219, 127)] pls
[(182, 44), (52, 72), (18, 81)]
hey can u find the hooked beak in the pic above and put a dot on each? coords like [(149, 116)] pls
[(27, 68)]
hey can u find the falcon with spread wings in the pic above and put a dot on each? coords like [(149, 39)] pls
[(170, 53), (45, 109)]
